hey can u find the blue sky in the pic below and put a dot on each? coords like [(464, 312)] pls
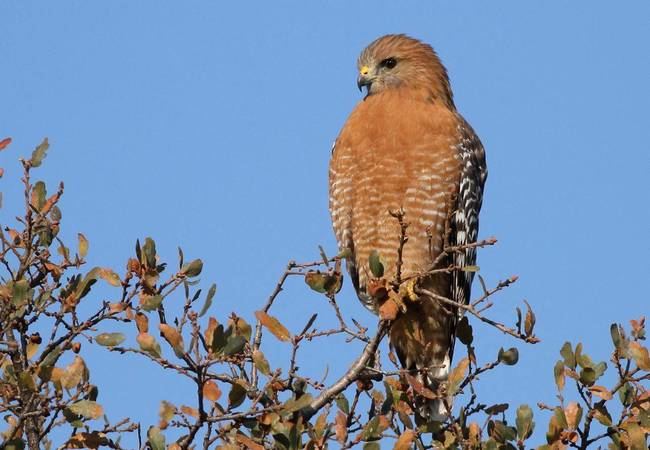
[(209, 125)]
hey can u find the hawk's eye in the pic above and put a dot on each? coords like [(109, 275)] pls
[(389, 63)]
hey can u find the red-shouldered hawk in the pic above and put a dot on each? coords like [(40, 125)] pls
[(405, 146)]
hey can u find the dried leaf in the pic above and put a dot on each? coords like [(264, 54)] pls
[(4, 143), (188, 410), (174, 338), (457, 375), (248, 442), (142, 323), (111, 277), (151, 302), (529, 322), (83, 245), (75, 373), (110, 339), (341, 427), (640, 355), (573, 415), (166, 413), (211, 391), (601, 391), (148, 344), (87, 409), (273, 325), (92, 440), (405, 440), (420, 388)]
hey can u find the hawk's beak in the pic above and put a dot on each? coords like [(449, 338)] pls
[(364, 78)]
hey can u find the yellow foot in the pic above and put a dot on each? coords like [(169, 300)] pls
[(407, 290)]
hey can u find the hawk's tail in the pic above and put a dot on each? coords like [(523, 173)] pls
[(439, 409)]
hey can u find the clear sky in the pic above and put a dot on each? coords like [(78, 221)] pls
[(209, 125)]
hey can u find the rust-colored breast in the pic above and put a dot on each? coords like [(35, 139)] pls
[(394, 151)]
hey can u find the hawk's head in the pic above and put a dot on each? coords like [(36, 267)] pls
[(397, 61)]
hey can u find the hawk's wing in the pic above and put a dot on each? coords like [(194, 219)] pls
[(464, 221)]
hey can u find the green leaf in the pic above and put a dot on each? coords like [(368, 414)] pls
[(236, 396), (234, 345), (156, 438), (509, 357), (497, 409), (343, 403), (588, 376), (208, 299), (524, 422), (219, 339), (626, 394), (149, 253), (568, 355), (558, 373), (152, 303), (371, 446), (293, 405), (470, 268), (20, 292), (87, 409), (374, 262), (193, 268), (261, 363), (110, 339), (14, 444), (617, 339), (38, 195), (39, 153)]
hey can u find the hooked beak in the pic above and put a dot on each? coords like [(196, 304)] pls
[(364, 78)]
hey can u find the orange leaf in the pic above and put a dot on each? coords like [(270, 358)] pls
[(142, 322), (341, 429), (640, 355), (190, 411), (601, 392), (456, 376), (273, 325), (405, 440), (248, 442), (573, 414), (173, 337), (420, 388), (4, 143), (211, 391)]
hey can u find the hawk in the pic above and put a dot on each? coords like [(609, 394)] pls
[(404, 146)]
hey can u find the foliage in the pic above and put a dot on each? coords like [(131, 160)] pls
[(241, 401)]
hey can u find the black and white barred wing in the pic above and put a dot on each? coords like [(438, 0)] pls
[(465, 219)]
